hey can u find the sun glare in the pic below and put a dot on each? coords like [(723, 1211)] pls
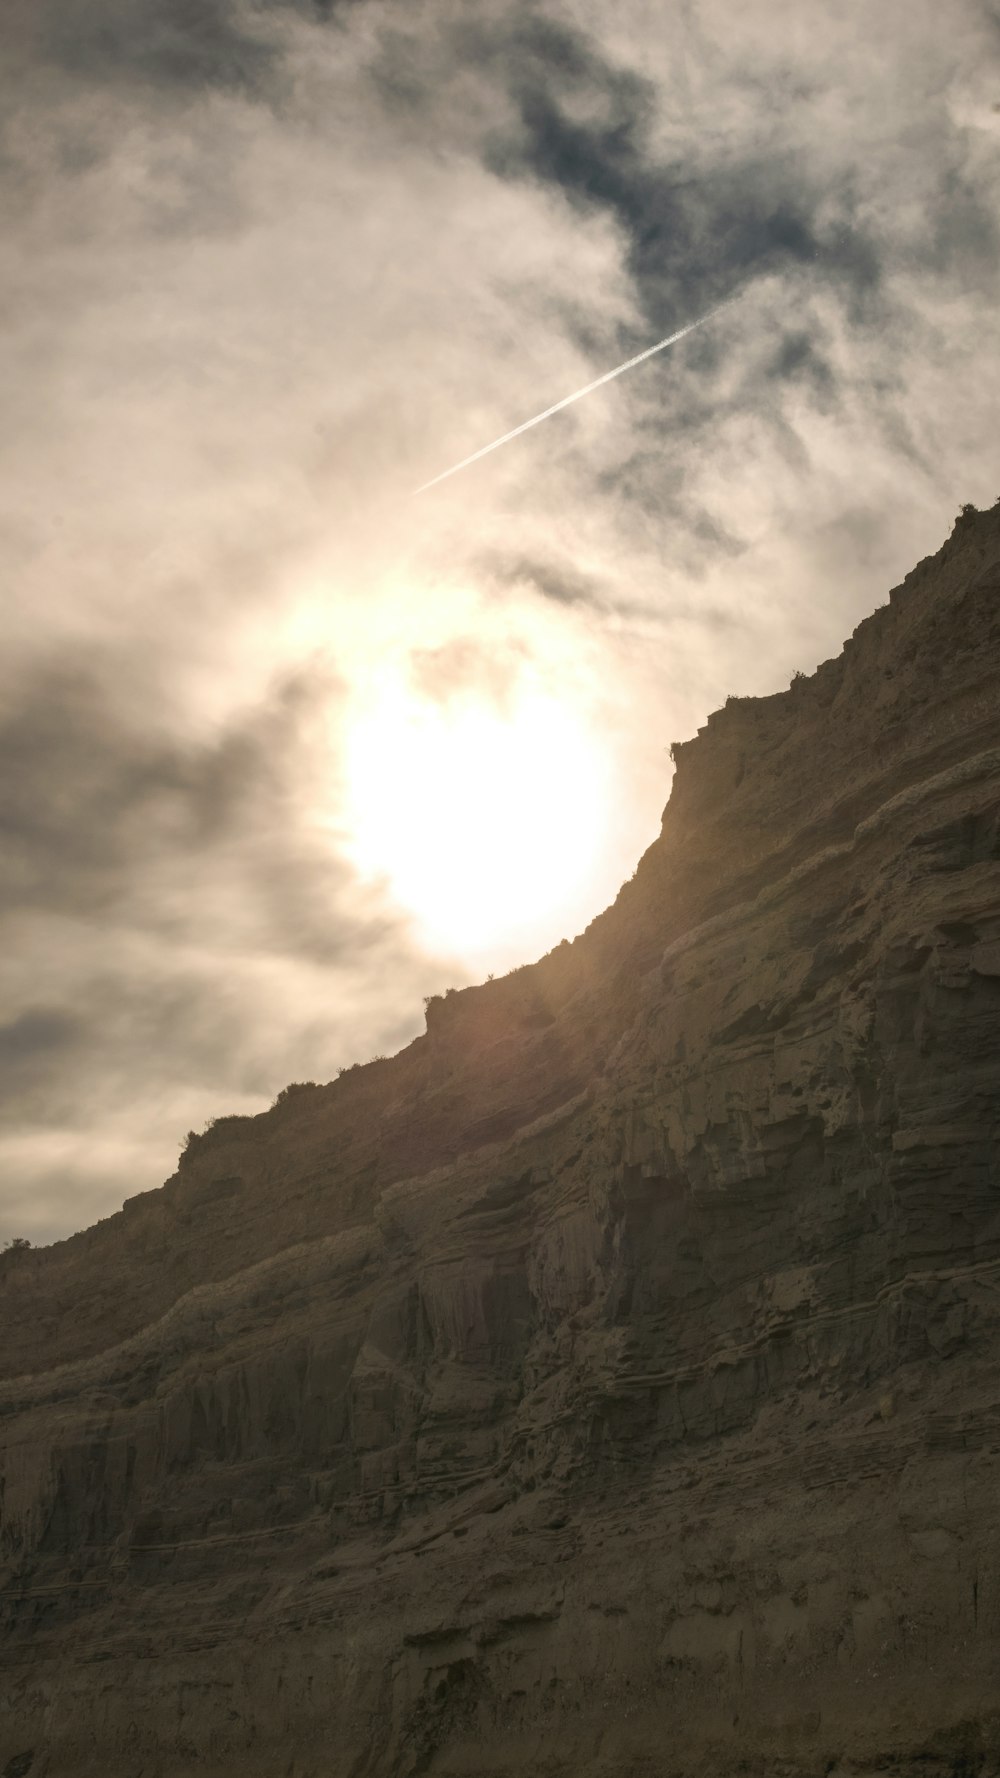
[(484, 817)]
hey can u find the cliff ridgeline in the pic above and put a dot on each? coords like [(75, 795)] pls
[(608, 1385)]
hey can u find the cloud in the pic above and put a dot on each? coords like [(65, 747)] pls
[(464, 665), (90, 797), (584, 123), (181, 936), (561, 582), (29, 1043), (178, 45)]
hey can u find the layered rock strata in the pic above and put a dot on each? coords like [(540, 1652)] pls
[(608, 1385)]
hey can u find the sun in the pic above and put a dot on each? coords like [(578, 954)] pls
[(484, 816)]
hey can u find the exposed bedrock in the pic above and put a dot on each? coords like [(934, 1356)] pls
[(609, 1384)]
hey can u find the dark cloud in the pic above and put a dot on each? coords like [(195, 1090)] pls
[(962, 242), (561, 582), (699, 226), (798, 358), (171, 43), (563, 585), (180, 47), (95, 813), (185, 1026), (176, 930), (30, 1043), (86, 794), (694, 231), (563, 116)]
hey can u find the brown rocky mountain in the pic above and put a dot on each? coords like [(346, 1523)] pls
[(608, 1384)]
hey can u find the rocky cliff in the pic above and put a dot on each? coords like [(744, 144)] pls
[(609, 1384)]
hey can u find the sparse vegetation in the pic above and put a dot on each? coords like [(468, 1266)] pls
[(228, 1122), (16, 1244), (293, 1087), (193, 1137)]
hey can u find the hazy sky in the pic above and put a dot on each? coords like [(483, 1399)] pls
[(284, 748)]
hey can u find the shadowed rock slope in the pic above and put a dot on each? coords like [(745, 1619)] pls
[(608, 1384)]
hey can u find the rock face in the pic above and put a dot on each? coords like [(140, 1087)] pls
[(610, 1382)]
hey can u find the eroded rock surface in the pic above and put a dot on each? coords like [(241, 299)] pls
[(609, 1384)]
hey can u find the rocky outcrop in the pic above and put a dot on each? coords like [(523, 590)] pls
[(607, 1384)]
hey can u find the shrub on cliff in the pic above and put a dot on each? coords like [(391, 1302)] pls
[(293, 1087), (13, 1250)]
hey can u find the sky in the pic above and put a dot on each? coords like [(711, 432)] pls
[(285, 747)]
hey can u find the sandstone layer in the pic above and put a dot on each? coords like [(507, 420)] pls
[(607, 1386)]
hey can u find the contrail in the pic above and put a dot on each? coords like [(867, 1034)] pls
[(578, 394)]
